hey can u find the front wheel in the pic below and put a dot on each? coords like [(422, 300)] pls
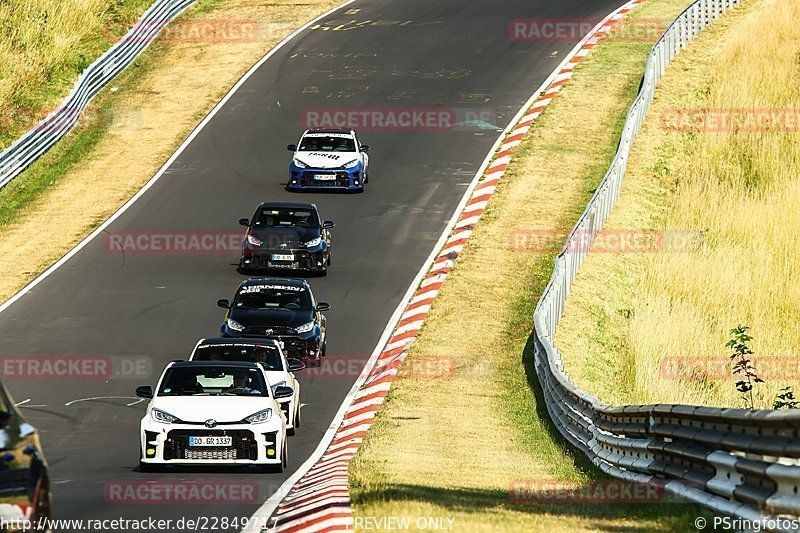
[(297, 414)]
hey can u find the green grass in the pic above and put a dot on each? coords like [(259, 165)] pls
[(78, 144), (454, 446)]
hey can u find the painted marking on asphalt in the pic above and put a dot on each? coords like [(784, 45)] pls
[(23, 402), (93, 398)]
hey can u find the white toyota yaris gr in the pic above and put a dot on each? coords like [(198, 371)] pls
[(213, 413), (266, 352)]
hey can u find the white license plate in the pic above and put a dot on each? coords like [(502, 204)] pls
[(210, 441), (282, 257), (324, 177)]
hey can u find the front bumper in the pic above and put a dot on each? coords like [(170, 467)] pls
[(302, 259), (342, 179), (256, 444), (302, 346)]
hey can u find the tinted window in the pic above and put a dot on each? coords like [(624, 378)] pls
[(268, 355), (273, 297), (214, 381), (334, 142), (285, 218)]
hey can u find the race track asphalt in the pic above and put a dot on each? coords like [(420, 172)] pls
[(372, 55)]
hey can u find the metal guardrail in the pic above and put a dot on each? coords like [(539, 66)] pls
[(33, 144), (738, 462)]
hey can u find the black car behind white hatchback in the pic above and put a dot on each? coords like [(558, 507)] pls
[(280, 309)]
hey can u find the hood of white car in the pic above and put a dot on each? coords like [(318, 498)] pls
[(219, 408), (326, 159)]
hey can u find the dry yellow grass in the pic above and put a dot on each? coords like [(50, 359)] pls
[(151, 119), (740, 191), (453, 446), (43, 45)]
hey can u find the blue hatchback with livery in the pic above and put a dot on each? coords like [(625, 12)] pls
[(328, 158)]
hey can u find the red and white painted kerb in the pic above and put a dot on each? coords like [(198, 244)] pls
[(320, 500)]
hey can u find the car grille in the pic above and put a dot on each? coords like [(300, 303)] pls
[(177, 446), (268, 331), (342, 180)]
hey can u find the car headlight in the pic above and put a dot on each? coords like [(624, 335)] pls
[(352, 164), (305, 328), (299, 163), (235, 326), (253, 240), (163, 416), (259, 417), (279, 384), (313, 242)]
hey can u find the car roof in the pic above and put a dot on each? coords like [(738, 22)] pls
[(281, 281), (243, 364), (303, 205), (239, 342), (330, 130)]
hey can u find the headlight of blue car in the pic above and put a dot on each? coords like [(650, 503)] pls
[(352, 164), (313, 242), (305, 328), (299, 163)]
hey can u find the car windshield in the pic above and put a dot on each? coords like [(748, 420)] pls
[(271, 217), (330, 142), (271, 296), (268, 356), (204, 380)]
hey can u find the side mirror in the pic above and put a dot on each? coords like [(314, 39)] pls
[(244, 222), (225, 304), (328, 224), (322, 306), (292, 147), (295, 365), (365, 148), (145, 391), (283, 392)]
